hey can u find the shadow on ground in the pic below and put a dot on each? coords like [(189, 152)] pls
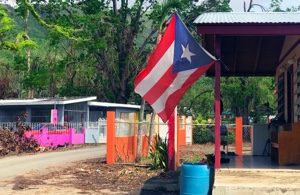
[(163, 184)]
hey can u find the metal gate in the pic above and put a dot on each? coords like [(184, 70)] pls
[(96, 132)]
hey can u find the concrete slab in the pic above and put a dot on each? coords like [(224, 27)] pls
[(257, 181), (254, 162)]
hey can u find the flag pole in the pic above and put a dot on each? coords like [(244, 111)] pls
[(171, 140), (217, 105)]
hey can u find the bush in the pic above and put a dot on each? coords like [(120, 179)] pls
[(205, 134), (159, 154), (202, 135), (230, 137)]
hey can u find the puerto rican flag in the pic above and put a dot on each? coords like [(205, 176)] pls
[(176, 63)]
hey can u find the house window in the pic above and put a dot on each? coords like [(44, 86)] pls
[(75, 113), (124, 126), (182, 122), (124, 116), (40, 114)]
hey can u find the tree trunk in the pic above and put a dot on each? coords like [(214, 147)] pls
[(28, 51), (139, 137), (151, 128)]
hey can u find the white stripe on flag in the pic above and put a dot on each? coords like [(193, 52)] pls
[(159, 104), (157, 72)]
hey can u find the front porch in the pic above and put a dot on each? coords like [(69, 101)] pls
[(255, 162), (248, 161), (257, 181), (259, 44)]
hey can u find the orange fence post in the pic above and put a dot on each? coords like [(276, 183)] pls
[(110, 138), (239, 135), (183, 132)]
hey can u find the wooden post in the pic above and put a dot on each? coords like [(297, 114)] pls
[(239, 135), (110, 138), (135, 127), (178, 140), (171, 142), (217, 105), (139, 135)]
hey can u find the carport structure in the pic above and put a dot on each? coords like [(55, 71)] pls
[(256, 44)]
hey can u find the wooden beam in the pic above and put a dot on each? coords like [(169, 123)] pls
[(244, 74), (236, 48), (257, 56), (289, 51), (249, 29), (217, 104)]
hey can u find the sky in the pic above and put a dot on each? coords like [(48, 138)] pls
[(238, 5)]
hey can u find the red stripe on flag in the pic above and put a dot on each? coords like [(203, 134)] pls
[(159, 88), (175, 97), (165, 42)]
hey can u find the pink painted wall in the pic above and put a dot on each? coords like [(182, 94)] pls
[(77, 138), (52, 139)]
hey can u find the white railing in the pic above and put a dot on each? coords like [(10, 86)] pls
[(39, 125)]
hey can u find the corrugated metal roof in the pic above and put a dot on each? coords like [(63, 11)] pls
[(45, 101), (115, 105), (248, 17)]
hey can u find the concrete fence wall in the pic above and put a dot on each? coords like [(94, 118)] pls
[(122, 137), (56, 138)]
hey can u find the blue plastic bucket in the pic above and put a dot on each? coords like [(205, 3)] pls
[(194, 179)]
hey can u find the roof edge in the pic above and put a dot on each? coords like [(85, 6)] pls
[(107, 104)]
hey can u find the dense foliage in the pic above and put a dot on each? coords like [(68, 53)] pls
[(203, 134), (96, 47)]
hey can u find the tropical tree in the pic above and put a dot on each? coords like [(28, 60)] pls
[(199, 100), (252, 5), (248, 94), (276, 6)]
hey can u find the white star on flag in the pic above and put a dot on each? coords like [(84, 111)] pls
[(186, 53)]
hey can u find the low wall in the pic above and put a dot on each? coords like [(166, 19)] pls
[(95, 132), (122, 137), (92, 136), (55, 138), (126, 148)]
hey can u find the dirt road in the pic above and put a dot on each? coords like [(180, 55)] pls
[(11, 167)]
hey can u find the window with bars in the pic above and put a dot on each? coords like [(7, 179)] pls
[(40, 114), (75, 112)]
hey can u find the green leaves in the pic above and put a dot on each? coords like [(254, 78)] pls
[(246, 94), (6, 27), (23, 42), (6, 22), (159, 154)]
